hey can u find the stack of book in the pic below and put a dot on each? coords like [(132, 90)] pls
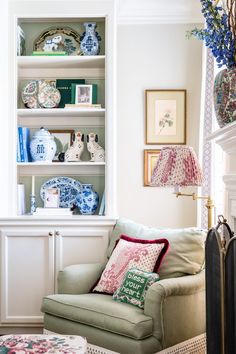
[(23, 141), (97, 106), (53, 212), (64, 86), (49, 53)]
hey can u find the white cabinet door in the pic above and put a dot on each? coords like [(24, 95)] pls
[(81, 245), (27, 273)]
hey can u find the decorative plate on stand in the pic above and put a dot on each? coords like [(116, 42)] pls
[(69, 190), (58, 39)]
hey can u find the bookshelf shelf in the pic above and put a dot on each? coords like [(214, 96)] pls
[(61, 164), (62, 169), (61, 112), (61, 62)]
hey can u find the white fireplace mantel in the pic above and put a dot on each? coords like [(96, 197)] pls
[(226, 138)]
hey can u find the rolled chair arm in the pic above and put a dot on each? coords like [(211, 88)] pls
[(177, 306), (79, 278)]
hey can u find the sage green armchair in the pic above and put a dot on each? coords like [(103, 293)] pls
[(174, 307)]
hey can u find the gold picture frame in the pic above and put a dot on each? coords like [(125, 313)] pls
[(150, 160), (165, 117)]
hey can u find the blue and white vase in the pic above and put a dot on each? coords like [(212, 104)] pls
[(87, 200), (90, 42), (32, 204), (42, 146)]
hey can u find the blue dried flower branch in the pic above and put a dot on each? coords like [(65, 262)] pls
[(218, 33)]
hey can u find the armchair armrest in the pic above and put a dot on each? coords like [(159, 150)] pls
[(79, 278), (177, 306)]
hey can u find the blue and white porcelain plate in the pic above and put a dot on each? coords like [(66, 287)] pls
[(69, 190)]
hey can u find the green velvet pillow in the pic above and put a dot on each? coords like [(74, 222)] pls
[(134, 287)]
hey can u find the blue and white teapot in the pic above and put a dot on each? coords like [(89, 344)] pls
[(42, 146)]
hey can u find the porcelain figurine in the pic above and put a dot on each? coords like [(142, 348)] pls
[(75, 150), (90, 42), (97, 152), (42, 146), (52, 45)]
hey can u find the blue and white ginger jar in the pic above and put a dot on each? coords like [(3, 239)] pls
[(42, 146), (90, 42), (87, 200)]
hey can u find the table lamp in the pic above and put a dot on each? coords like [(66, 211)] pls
[(178, 166)]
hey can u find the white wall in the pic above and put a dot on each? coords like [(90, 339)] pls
[(153, 56)]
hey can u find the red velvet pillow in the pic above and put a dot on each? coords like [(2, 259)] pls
[(129, 252)]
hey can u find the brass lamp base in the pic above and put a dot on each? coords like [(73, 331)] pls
[(209, 204)]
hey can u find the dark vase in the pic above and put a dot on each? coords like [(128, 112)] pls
[(225, 96)]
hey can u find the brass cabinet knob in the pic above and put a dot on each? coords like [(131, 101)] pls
[(50, 233)]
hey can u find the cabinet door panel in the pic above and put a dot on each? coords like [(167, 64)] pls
[(81, 246), (27, 274)]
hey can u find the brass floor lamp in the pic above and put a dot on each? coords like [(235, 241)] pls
[(178, 166)]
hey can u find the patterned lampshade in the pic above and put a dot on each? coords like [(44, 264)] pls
[(177, 166)]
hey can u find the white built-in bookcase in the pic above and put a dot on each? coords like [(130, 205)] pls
[(95, 69)]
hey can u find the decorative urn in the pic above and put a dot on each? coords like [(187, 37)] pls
[(42, 146), (87, 200), (225, 96)]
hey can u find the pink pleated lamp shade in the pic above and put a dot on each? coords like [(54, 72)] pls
[(177, 166)]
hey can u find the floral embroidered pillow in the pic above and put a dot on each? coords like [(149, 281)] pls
[(134, 287), (146, 255)]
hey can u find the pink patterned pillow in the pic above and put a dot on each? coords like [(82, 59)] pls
[(146, 255)]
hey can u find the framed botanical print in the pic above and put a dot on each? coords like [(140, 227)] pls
[(165, 116), (150, 160)]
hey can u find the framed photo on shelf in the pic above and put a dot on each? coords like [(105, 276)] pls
[(63, 140), (83, 94), (165, 117), (150, 160), (52, 198)]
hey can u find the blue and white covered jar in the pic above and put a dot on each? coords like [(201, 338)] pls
[(42, 146)]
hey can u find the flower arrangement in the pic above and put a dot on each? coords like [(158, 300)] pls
[(220, 31)]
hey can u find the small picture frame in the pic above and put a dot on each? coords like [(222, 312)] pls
[(63, 140), (52, 198), (165, 117), (83, 94), (150, 160)]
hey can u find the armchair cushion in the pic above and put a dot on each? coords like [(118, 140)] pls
[(186, 254), (98, 311), (79, 278)]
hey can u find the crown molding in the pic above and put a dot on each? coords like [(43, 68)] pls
[(158, 11), (143, 11)]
